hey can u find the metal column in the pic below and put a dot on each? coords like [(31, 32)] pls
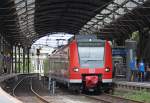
[(51, 86), (28, 58), (0, 54), (3, 47), (12, 63), (15, 59), (141, 44), (131, 47), (23, 60), (19, 58)]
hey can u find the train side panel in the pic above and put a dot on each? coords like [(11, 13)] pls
[(107, 76), (59, 64), (75, 77)]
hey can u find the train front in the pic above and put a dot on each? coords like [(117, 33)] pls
[(91, 64)]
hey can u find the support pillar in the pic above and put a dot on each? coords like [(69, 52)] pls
[(15, 59), (12, 63), (28, 59), (51, 86), (3, 48), (1, 54), (141, 44), (19, 59), (23, 60), (131, 47)]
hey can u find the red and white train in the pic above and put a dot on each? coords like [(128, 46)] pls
[(83, 64)]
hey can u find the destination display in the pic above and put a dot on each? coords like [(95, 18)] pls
[(91, 44)]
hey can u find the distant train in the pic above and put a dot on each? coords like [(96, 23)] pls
[(82, 65)]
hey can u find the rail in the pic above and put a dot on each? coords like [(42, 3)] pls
[(107, 98), (38, 96), (18, 85)]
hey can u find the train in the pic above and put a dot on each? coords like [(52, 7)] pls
[(82, 64)]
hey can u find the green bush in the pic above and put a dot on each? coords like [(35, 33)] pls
[(141, 95)]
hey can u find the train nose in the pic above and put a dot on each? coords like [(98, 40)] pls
[(91, 81)]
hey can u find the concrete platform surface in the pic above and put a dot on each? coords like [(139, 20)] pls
[(136, 84), (7, 76), (6, 98)]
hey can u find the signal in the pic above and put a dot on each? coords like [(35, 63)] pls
[(37, 52)]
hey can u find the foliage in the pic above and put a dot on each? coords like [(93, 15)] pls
[(26, 66), (135, 36), (141, 95), (46, 66)]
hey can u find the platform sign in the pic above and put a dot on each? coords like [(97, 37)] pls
[(38, 52), (91, 44), (119, 52)]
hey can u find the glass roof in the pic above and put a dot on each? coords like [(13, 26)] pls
[(113, 11), (25, 10), (52, 40)]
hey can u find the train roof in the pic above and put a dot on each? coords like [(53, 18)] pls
[(58, 56), (87, 38), (91, 40), (83, 37), (78, 38)]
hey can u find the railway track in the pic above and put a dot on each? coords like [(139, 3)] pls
[(17, 86), (35, 97), (107, 98), (103, 98), (38, 96)]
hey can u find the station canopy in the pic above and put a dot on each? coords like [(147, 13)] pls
[(25, 21)]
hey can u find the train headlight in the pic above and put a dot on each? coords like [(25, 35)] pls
[(76, 69), (107, 69)]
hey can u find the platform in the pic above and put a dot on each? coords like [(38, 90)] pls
[(133, 85), (6, 98), (4, 77)]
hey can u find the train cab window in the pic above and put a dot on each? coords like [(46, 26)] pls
[(91, 57)]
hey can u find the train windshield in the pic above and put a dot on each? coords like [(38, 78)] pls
[(91, 57)]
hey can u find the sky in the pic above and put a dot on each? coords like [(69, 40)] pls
[(50, 42)]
